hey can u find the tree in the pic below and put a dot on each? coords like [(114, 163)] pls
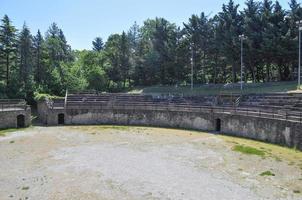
[(8, 42), (252, 30), (267, 43), (124, 54), (26, 61), (198, 30), (98, 44), (38, 47), (230, 22)]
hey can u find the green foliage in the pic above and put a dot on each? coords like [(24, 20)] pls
[(41, 96), (156, 53), (248, 150), (267, 173), (98, 44)]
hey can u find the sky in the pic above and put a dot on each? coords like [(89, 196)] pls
[(83, 20)]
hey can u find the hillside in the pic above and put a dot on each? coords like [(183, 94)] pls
[(212, 89)]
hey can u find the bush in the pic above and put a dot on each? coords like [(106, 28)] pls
[(42, 96)]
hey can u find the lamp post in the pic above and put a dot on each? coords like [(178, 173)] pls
[(241, 37), (192, 67), (299, 23)]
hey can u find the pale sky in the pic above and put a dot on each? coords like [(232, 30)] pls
[(83, 20)]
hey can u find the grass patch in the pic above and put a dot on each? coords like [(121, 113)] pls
[(5, 131), (267, 173), (248, 150), (94, 129), (25, 188), (297, 191), (120, 128), (210, 89)]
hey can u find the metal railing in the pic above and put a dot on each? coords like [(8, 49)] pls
[(288, 115)]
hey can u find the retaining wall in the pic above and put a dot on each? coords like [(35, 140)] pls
[(275, 131)]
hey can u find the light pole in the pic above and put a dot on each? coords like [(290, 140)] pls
[(299, 23), (241, 37), (192, 67)]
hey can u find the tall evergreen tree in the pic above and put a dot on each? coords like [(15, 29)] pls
[(231, 27), (98, 44), (124, 53), (26, 61), (38, 43), (8, 40), (252, 30)]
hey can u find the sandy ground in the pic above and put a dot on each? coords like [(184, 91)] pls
[(104, 162)]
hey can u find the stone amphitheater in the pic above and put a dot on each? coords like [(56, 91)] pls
[(77, 151), (274, 118)]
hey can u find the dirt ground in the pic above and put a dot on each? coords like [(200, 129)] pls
[(134, 163)]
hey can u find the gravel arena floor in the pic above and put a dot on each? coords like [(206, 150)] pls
[(130, 163)]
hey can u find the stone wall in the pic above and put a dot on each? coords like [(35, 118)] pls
[(8, 119), (198, 121), (46, 115), (274, 131), (269, 130)]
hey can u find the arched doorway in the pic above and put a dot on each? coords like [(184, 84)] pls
[(218, 125), (20, 121), (61, 119)]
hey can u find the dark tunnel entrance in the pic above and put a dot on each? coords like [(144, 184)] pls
[(20, 121), (61, 119), (218, 125)]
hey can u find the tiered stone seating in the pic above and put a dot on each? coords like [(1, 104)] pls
[(58, 103), (12, 104), (272, 101), (135, 99), (266, 102)]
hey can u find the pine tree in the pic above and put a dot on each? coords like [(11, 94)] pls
[(8, 41), (265, 72), (26, 61), (231, 27), (252, 30), (40, 71), (98, 44), (124, 53)]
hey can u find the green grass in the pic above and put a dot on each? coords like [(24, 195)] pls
[(25, 188), (267, 173), (121, 128), (5, 131), (103, 127), (248, 150), (219, 88), (297, 191)]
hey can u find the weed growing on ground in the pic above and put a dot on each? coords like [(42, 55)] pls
[(25, 188), (248, 150), (5, 131), (267, 173), (297, 191)]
